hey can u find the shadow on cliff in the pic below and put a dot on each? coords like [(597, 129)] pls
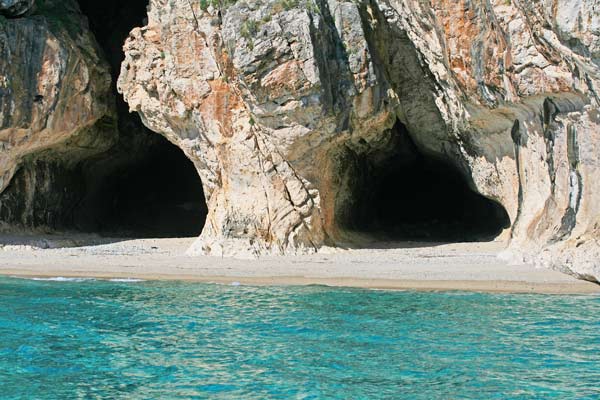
[(150, 188), (393, 195), (143, 186)]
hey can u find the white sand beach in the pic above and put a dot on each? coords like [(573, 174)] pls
[(403, 266)]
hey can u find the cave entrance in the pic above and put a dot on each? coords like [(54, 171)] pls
[(154, 192), (402, 194), (157, 194), (147, 187), (143, 186)]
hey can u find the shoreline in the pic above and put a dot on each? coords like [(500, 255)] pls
[(507, 287), (473, 267)]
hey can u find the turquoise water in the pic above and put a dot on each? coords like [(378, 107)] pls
[(113, 340)]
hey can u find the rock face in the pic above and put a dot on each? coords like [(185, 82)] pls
[(292, 111), (56, 108), (281, 103), (15, 8)]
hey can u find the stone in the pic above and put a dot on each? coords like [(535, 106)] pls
[(264, 99), (15, 8), (56, 109), (290, 111)]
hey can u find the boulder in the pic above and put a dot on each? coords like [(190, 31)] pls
[(15, 8)]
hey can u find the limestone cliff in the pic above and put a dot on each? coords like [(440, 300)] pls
[(274, 101), (292, 110), (70, 153), (56, 107)]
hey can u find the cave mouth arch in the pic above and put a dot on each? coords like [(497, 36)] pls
[(147, 187), (118, 179), (400, 194), (157, 194)]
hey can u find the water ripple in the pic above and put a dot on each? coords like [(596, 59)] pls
[(100, 339)]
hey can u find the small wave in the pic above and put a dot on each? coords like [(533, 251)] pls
[(73, 279), (232, 283), (61, 279)]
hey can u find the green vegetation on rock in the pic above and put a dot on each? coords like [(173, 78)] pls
[(60, 15)]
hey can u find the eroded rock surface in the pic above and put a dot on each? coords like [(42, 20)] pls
[(291, 110), (56, 109), (15, 8), (281, 104)]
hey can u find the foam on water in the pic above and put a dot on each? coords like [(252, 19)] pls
[(59, 279), (171, 340), (76, 279), (126, 280)]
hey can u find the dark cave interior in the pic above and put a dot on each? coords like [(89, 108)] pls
[(153, 188), (158, 195), (404, 195), (144, 186)]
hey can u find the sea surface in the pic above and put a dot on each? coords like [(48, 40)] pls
[(66, 339)]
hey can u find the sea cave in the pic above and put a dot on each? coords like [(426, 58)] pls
[(143, 186), (396, 192)]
